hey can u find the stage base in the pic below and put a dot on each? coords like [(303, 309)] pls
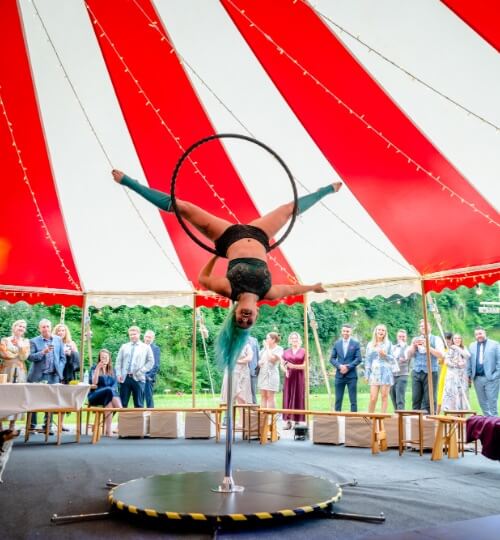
[(189, 497)]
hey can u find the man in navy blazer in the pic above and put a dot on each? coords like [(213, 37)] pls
[(149, 337), (483, 368), (346, 355), (47, 359)]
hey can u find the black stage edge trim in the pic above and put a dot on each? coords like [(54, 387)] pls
[(187, 497)]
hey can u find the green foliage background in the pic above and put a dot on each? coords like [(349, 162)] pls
[(174, 328)]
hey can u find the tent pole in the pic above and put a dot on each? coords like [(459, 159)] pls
[(314, 326), (193, 356), (307, 389), (427, 351), (82, 337)]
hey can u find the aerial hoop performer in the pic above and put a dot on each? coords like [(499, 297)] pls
[(248, 278)]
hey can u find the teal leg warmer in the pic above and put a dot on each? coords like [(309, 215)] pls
[(158, 198), (305, 202)]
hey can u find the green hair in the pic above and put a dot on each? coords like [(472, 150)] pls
[(230, 341)]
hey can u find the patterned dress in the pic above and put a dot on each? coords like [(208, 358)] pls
[(13, 358), (455, 393), (242, 388), (379, 369), (293, 385), (269, 375)]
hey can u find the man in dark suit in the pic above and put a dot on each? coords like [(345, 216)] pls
[(149, 337), (47, 360), (346, 355)]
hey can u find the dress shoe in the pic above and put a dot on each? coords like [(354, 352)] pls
[(65, 428)]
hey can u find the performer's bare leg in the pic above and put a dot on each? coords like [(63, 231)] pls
[(271, 223)]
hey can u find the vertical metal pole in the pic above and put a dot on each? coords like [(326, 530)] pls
[(228, 485), (430, 383), (193, 356), (307, 389), (63, 315), (82, 337)]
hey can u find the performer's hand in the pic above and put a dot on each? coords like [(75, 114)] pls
[(337, 186), (117, 176), (318, 287)]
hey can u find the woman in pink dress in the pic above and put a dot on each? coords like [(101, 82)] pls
[(293, 365)]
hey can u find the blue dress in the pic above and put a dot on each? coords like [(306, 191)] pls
[(379, 369), (107, 389)]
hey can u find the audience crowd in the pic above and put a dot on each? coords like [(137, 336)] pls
[(52, 357)]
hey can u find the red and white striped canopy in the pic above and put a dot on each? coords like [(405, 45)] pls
[(400, 100)]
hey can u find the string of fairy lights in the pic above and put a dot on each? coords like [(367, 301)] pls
[(224, 205), (99, 142), (26, 179), (156, 111), (361, 117), (411, 75), (182, 60)]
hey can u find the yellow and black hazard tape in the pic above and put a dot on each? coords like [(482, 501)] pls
[(199, 517)]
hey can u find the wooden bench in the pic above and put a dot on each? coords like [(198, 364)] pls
[(461, 429), (446, 440), (269, 430), (60, 417), (402, 414), (99, 413)]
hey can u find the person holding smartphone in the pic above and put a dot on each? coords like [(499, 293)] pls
[(47, 360)]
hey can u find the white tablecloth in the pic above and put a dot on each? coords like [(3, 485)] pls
[(24, 397)]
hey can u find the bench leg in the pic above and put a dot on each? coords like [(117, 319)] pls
[(60, 416), (78, 425), (437, 450), (452, 442), (28, 427)]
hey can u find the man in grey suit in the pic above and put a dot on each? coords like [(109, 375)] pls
[(47, 359), (134, 360), (483, 368)]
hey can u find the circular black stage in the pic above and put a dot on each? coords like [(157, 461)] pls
[(268, 495)]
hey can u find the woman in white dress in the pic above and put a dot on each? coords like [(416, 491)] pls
[(269, 376), (242, 389), (455, 393)]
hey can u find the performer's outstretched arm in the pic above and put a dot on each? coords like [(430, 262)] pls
[(219, 285), (280, 291), (158, 198)]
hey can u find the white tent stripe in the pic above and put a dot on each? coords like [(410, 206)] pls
[(104, 231)]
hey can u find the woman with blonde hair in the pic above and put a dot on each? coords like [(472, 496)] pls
[(14, 350), (70, 352), (269, 376), (293, 366), (379, 367)]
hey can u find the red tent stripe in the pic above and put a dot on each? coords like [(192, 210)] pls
[(29, 183), (286, 36), (483, 17), (164, 116)]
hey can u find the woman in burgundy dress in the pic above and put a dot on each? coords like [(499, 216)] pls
[(293, 365)]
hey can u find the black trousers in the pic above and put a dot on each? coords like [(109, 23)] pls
[(420, 390)]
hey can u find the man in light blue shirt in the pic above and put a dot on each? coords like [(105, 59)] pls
[(134, 360)]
